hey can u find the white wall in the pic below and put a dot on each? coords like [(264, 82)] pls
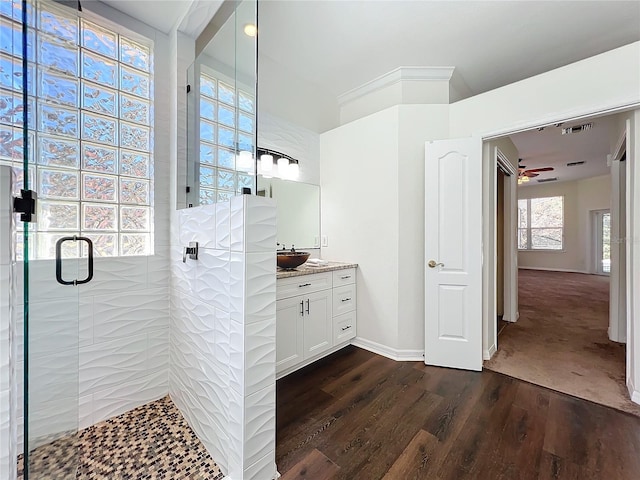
[(417, 124), (359, 212), (283, 136), (372, 180), (581, 197), (362, 203), (222, 375), (576, 89)]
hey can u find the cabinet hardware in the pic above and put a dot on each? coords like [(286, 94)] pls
[(308, 304), (344, 277), (346, 299), (346, 328), (304, 285), (302, 307)]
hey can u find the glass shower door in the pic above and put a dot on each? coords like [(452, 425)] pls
[(39, 125)]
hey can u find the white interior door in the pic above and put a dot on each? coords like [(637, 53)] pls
[(453, 251)]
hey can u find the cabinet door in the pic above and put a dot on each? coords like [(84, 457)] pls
[(289, 346), (318, 323)]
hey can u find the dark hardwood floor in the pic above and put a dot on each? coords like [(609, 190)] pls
[(356, 415)]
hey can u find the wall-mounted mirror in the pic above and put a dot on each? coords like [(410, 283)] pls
[(221, 107), (298, 216)]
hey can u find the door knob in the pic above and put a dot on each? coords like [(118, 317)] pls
[(433, 264)]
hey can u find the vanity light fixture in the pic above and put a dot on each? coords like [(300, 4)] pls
[(250, 30), (285, 166)]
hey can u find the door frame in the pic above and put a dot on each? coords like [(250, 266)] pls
[(632, 248), (619, 217), (492, 157)]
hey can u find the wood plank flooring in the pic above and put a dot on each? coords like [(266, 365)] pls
[(355, 415)]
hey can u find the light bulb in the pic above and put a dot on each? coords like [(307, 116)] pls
[(283, 167), (266, 162), (294, 170), (250, 30)]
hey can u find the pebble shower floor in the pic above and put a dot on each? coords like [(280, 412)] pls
[(149, 442)]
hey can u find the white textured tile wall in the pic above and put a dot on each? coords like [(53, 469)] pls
[(222, 360), (8, 397)]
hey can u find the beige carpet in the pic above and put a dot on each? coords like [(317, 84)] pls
[(560, 340)]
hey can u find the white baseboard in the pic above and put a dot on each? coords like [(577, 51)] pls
[(487, 354), (635, 394), (566, 270), (506, 318), (392, 353)]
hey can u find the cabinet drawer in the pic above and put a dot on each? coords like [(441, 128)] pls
[(344, 327), (303, 284), (344, 277), (344, 299)]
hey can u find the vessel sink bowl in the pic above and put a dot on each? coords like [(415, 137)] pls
[(291, 260)]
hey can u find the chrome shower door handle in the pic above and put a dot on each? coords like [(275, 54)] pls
[(434, 264)]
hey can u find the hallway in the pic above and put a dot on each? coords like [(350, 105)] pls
[(560, 340)]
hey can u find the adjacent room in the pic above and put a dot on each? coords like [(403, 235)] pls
[(566, 337)]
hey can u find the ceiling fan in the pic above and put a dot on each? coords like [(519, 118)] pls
[(524, 175)]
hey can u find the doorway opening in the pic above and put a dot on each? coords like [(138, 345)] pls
[(569, 228)]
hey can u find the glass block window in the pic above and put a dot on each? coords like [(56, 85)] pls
[(227, 126), (91, 128), (540, 223)]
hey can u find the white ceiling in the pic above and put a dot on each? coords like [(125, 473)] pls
[(339, 45), (549, 148), (160, 14)]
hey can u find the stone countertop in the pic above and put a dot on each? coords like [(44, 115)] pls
[(306, 269)]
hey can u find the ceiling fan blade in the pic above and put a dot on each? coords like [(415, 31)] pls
[(543, 169), (530, 174)]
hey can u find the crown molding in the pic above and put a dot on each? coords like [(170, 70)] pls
[(400, 74)]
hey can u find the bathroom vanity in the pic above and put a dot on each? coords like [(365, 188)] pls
[(315, 313)]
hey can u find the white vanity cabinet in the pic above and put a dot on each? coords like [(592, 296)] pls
[(315, 316)]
